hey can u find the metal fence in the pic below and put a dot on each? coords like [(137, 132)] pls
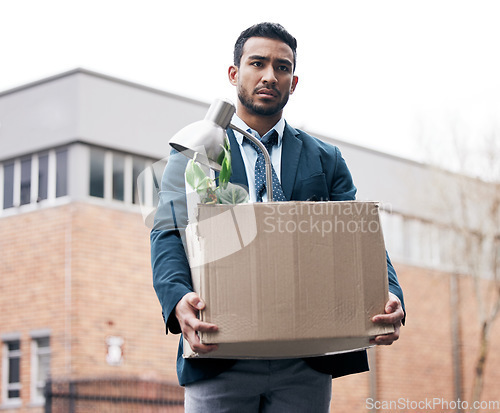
[(112, 396)]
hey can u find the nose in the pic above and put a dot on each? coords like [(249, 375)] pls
[(269, 76)]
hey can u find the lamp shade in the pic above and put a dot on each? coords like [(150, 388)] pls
[(205, 139)]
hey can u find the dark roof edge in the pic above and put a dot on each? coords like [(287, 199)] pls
[(102, 76)]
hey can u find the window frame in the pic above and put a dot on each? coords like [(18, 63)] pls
[(61, 159), (9, 163), (56, 179), (36, 352), (25, 180), (135, 171), (7, 355), (40, 181)]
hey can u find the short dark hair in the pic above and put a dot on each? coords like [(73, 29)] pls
[(269, 31)]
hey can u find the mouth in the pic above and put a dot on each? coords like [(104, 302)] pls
[(265, 92)]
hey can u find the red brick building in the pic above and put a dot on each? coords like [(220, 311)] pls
[(76, 298)]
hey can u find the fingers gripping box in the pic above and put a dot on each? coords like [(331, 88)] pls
[(288, 279)]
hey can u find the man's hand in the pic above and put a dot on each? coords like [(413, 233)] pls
[(186, 312), (393, 315)]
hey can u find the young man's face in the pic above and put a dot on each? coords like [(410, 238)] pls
[(264, 79)]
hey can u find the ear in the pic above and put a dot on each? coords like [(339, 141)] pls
[(232, 74), (295, 80)]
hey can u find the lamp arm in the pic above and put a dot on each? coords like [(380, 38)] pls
[(267, 160)]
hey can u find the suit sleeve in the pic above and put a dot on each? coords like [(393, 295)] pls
[(171, 272), (343, 189)]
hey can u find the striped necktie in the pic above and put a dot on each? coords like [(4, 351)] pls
[(260, 170)]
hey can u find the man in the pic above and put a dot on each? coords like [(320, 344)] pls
[(264, 76)]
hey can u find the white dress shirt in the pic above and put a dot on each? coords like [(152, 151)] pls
[(249, 154)]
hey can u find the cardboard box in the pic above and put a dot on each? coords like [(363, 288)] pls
[(288, 279)]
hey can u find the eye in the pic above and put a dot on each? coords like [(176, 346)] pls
[(256, 63), (283, 68)]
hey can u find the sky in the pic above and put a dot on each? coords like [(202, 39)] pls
[(393, 75)]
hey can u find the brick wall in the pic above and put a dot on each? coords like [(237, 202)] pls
[(32, 257), (83, 272), (418, 368), (113, 295)]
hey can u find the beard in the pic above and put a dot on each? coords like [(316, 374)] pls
[(264, 110)]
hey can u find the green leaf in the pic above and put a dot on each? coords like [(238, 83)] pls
[(231, 194), (222, 155), (225, 173), (196, 177)]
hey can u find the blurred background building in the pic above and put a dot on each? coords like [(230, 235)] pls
[(80, 324)]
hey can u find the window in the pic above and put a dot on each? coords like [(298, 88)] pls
[(25, 181), (97, 172), (118, 177), (138, 167), (40, 367), (34, 178), (61, 173), (11, 372), (8, 185), (43, 176), (393, 224)]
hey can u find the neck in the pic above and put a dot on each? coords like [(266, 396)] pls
[(260, 123)]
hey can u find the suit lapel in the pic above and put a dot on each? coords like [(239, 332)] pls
[(290, 154), (238, 174)]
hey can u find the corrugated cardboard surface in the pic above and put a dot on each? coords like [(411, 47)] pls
[(289, 279)]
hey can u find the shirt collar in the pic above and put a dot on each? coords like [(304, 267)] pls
[(279, 128)]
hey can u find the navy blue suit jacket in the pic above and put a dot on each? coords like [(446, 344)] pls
[(310, 170)]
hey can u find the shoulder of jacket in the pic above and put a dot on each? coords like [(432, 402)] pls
[(313, 141)]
